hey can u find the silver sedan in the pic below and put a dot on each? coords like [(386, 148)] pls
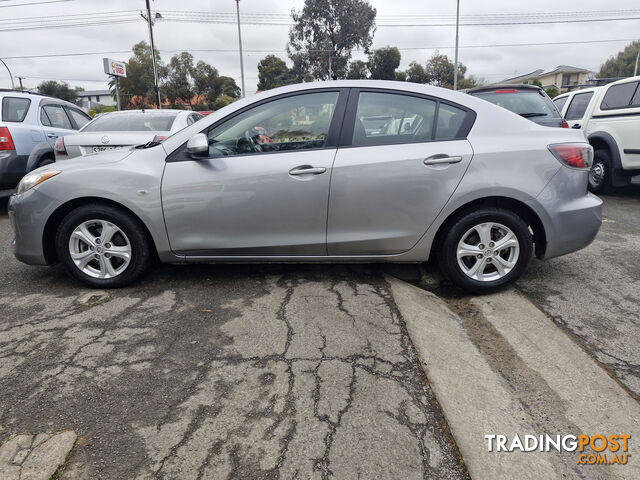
[(344, 171)]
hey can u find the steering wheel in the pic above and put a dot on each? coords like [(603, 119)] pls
[(255, 146)]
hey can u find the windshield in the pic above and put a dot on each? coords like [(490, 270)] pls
[(528, 103), (132, 122)]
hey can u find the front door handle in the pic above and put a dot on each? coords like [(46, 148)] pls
[(441, 159), (307, 170)]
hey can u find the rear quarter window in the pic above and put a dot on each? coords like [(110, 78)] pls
[(14, 109), (560, 102), (619, 96), (578, 106)]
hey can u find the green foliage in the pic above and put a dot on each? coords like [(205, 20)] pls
[(136, 90), (439, 71), (623, 64), (383, 63), (273, 72), (537, 83), (552, 92), (59, 90), (326, 29), (358, 70), (221, 101), (179, 85), (101, 109), (416, 73)]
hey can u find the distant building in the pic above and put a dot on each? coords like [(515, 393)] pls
[(563, 78), (90, 98)]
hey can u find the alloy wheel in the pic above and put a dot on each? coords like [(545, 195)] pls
[(597, 174), (488, 252), (100, 249)]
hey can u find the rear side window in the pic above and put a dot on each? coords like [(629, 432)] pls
[(78, 117), (54, 116), (619, 96), (560, 101), (578, 106), (384, 118), (14, 109)]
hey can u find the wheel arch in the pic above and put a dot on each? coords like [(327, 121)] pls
[(506, 203), (48, 236), (40, 151)]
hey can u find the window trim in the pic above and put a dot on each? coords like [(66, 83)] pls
[(608, 109), (17, 98), (332, 137), (346, 136), (64, 110)]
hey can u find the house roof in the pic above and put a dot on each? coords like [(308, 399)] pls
[(542, 73)]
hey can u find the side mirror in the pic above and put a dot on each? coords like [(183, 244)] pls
[(198, 146)]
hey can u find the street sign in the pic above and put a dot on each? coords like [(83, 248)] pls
[(114, 67)]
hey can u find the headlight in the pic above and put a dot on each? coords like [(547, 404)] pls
[(31, 180)]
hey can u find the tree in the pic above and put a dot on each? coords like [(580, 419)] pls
[(552, 92), (623, 64), (440, 71), (324, 35), (273, 72), (383, 63), (136, 89), (59, 90), (221, 101), (416, 73), (358, 70), (179, 83), (204, 78)]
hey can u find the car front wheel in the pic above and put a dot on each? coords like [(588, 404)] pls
[(102, 246), (485, 250)]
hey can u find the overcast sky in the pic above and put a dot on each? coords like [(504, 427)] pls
[(493, 63)]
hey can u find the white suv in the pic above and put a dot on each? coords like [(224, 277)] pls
[(610, 118)]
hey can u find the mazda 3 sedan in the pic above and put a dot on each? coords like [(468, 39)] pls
[(343, 171)]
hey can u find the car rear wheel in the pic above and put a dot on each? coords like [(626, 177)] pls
[(485, 250), (600, 174), (102, 246)]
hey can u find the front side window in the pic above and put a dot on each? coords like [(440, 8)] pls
[(55, 117), (298, 122), (618, 96), (560, 101), (578, 106), (14, 109), (385, 118), (80, 118)]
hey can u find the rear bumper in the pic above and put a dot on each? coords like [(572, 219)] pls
[(570, 215), (29, 213), (12, 168)]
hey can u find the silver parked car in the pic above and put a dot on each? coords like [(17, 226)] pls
[(303, 173), (124, 129)]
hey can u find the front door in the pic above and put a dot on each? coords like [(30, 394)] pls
[(406, 155), (263, 190)]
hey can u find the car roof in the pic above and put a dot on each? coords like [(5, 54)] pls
[(150, 110), (624, 80), (44, 99), (499, 86)]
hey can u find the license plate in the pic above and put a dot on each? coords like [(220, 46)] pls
[(102, 149)]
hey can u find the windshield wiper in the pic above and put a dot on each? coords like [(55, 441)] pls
[(150, 144), (532, 114)]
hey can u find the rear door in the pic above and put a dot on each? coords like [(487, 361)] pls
[(390, 181), (577, 107), (55, 122)]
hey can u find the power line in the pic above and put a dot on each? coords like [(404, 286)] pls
[(34, 3)]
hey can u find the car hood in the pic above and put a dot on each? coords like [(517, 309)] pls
[(89, 161)]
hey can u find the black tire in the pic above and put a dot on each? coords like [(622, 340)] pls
[(447, 254), (134, 234), (45, 161), (601, 172)]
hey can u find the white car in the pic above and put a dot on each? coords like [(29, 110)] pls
[(611, 122), (127, 128)]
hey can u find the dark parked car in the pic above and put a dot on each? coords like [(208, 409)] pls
[(528, 101)]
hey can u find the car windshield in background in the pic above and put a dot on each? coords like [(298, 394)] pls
[(132, 122), (528, 103)]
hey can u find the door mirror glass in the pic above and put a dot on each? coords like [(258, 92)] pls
[(198, 146)]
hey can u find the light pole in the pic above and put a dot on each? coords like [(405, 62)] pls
[(455, 64), (10, 76), (156, 88), (240, 44)]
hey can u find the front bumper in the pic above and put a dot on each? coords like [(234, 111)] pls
[(570, 215), (29, 213)]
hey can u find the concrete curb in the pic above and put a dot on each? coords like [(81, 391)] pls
[(34, 457), (507, 369)]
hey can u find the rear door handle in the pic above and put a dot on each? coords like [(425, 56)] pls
[(307, 170), (576, 125), (52, 135), (441, 159)]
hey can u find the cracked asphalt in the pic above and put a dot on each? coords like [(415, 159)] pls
[(254, 372)]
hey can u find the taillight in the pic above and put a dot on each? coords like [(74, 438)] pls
[(60, 149), (159, 138), (565, 125), (574, 155), (6, 142)]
